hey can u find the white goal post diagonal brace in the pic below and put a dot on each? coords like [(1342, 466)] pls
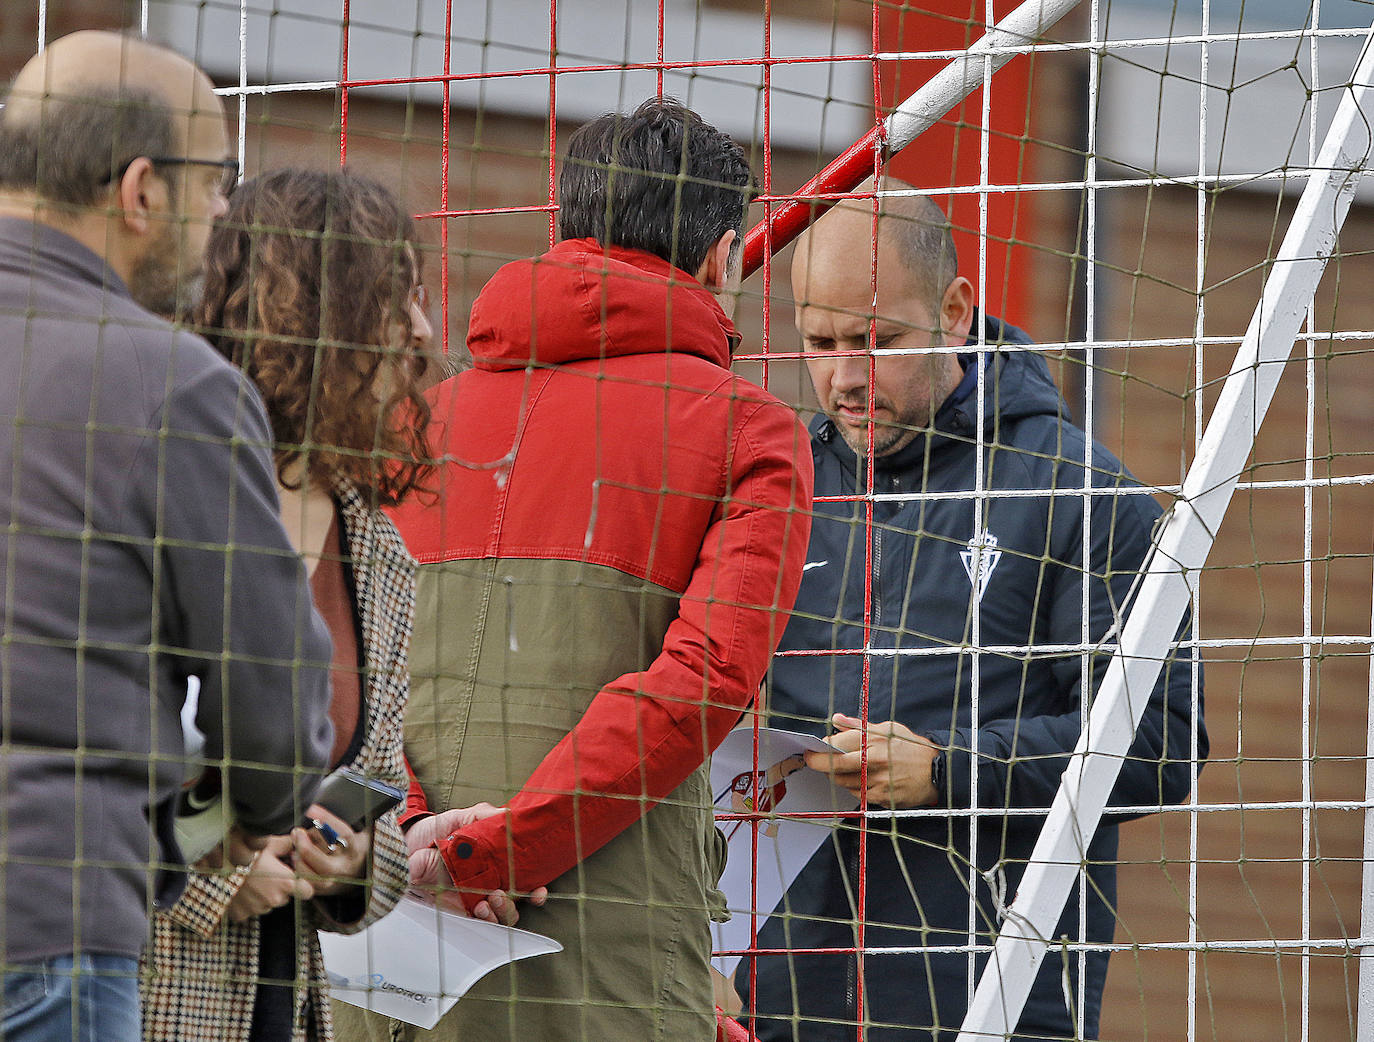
[(1181, 548), (1013, 36)]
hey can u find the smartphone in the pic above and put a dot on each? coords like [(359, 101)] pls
[(356, 798)]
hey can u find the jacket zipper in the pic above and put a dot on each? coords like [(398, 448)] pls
[(852, 991), (877, 568)]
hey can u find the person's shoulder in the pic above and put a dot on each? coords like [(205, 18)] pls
[(754, 405), (159, 338), (1060, 454), (144, 364), (187, 365), (1056, 437), (1062, 444), (191, 387), (746, 390), (118, 323)]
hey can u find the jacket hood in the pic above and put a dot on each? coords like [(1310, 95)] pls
[(1017, 384), (585, 301)]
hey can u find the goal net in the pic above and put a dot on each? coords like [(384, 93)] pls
[(1156, 192)]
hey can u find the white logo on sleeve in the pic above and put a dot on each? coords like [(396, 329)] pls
[(814, 564), (980, 560)]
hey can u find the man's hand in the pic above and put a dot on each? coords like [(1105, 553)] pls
[(899, 763), (271, 882), (427, 871), (428, 831)]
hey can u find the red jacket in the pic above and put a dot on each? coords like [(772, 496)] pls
[(601, 425)]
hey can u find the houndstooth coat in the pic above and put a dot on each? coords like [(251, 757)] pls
[(200, 970)]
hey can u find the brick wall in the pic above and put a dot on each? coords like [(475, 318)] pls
[(19, 24)]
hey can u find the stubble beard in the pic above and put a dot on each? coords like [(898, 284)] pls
[(886, 435), (906, 425), (164, 281)]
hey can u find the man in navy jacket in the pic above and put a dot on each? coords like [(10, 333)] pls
[(982, 648)]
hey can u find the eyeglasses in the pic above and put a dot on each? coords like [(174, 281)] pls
[(229, 169)]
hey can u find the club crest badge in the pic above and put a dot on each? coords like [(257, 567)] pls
[(980, 560)]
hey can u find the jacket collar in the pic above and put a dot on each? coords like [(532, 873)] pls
[(583, 301), (35, 246)]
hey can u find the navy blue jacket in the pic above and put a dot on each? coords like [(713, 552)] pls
[(931, 548)]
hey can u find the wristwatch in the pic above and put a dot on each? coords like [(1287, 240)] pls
[(937, 775)]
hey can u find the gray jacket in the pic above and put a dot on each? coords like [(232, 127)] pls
[(140, 544)]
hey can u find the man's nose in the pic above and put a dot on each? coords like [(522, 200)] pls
[(851, 372)]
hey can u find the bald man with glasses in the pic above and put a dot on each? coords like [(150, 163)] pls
[(140, 542)]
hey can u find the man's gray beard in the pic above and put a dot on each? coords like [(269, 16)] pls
[(884, 437), (167, 295), (190, 288), (163, 283)]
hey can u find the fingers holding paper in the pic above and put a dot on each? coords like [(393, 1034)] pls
[(429, 875), (899, 763)]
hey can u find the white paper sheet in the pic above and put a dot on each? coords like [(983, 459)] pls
[(418, 961), (785, 845)]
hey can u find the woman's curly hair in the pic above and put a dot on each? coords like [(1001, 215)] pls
[(308, 283)]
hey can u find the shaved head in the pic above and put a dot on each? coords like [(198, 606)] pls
[(108, 60), (913, 234), (876, 340)]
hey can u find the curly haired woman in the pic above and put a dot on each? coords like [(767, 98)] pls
[(312, 287)]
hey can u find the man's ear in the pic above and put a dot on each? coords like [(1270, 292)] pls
[(956, 310), (140, 193), (714, 272)]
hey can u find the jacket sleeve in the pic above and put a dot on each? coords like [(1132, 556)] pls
[(646, 732), (416, 805), (1021, 760), (202, 905), (232, 592)]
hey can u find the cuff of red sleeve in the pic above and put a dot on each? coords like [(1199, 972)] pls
[(728, 1029), (410, 817), (471, 867)]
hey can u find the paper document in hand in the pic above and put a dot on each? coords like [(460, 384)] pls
[(782, 784), (418, 961)]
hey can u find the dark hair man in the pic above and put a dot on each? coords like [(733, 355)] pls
[(947, 570), (619, 536), (140, 542)]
